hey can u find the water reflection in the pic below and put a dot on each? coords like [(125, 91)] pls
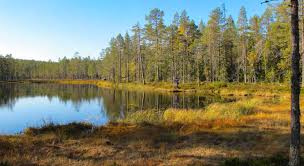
[(23, 105)]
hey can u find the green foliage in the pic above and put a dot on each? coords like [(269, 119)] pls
[(74, 68), (255, 49)]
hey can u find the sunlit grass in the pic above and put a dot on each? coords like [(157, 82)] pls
[(221, 131), (257, 111), (221, 88), (215, 114), (250, 130), (146, 116)]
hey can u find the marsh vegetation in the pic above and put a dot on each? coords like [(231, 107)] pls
[(179, 93), (240, 127)]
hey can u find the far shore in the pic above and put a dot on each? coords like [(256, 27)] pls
[(225, 89)]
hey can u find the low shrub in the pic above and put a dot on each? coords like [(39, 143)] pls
[(67, 131)]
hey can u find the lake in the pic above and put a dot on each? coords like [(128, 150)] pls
[(24, 105)]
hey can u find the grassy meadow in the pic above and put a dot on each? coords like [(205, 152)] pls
[(251, 131)]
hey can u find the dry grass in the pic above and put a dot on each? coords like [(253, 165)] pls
[(230, 89), (145, 116), (217, 111), (246, 132), (217, 115), (141, 144)]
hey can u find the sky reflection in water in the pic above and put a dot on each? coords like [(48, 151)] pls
[(33, 105)]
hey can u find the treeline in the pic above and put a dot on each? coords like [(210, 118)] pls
[(246, 50), (74, 68), (223, 49)]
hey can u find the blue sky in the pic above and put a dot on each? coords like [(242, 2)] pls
[(49, 29)]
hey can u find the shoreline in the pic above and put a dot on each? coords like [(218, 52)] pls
[(219, 134), (183, 137), (224, 89)]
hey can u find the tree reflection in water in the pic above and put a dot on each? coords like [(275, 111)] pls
[(113, 103)]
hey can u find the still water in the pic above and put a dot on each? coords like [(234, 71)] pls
[(25, 105)]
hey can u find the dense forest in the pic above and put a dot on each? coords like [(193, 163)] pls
[(74, 68), (252, 49)]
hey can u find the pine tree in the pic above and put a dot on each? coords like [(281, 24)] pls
[(140, 74), (120, 49), (243, 29), (154, 31), (127, 52), (230, 46)]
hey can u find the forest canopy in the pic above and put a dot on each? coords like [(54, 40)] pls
[(255, 49)]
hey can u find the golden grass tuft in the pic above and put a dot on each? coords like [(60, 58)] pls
[(145, 116), (222, 133), (249, 130), (218, 112)]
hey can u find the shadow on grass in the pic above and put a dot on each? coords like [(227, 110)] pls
[(276, 160), (72, 130), (119, 143)]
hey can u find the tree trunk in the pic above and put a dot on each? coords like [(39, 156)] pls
[(294, 155), (139, 57), (127, 67), (173, 63), (142, 101), (119, 66), (142, 69), (137, 73), (113, 74), (183, 68), (245, 60), (157, 56), (198, 73), (302, 38), (173, 60)]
